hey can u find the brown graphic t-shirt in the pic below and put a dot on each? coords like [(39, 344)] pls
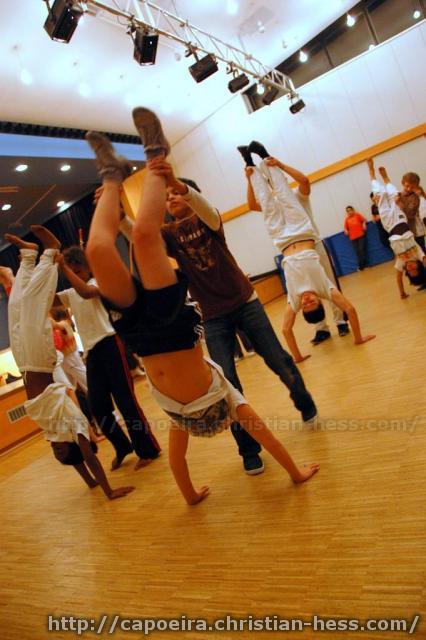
[(216, 281)]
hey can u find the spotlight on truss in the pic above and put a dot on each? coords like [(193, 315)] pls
[(270, 95), (238, 82), (62, 19), (297, 106), (203, 68), (146, 42)]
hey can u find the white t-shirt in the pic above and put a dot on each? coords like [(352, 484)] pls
[(58, 416), (303, 272), (92, 320), (415, 253)]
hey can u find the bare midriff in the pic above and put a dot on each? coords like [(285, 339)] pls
[(183, 376), (298, 246)]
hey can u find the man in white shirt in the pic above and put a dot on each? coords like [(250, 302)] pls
[(409, 254), (307, 285), (31, 340), (107, 370), (288, 215)]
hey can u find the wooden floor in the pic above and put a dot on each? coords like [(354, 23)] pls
[(349, 543)]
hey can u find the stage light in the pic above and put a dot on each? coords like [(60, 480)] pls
[(62, 19), (60, 203), (6, 207), (270, 95), (21, 167), (203, 68), (146, 43), (237, 83), (350, 20), (65, 167), (303, 57), (297, 106)]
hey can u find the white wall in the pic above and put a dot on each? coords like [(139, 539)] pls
[(367, 100)]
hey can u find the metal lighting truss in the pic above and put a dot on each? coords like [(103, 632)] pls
[(146, 14)]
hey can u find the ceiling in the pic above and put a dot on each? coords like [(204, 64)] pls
[(99, 62), (93, 83)]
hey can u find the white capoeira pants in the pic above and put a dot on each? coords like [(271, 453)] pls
[(285, 218), (391, 215), (31, 341), (288, 221), (30, 300)]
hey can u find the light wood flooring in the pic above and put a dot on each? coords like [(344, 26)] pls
[(350, 543)]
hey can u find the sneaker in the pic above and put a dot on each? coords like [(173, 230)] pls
[(108, 162), (253, 465), (258, 149), (246, 156), (343, 329), (320, 336), (150, 132)]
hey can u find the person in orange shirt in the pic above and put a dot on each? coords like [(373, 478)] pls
[(355, 228)]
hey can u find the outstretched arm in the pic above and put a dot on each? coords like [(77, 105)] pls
[(178, 445), (301, 179), (288, 323), (400, 285), (83, 289), (201, 206), (98, 472), (344, 304), (102, 253), (251, 198)]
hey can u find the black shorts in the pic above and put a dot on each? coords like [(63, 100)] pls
[(159, 320)]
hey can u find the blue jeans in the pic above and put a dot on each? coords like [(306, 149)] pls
[(252, 319)]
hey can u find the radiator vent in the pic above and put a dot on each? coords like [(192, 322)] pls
[(17, 413)]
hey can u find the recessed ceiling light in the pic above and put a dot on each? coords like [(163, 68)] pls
[(260, 89), (60, 203), (65, 167), (303, 56), (371, 47), (350, 20), (21, 167), (416, 14), (6, 207), (134, 168)]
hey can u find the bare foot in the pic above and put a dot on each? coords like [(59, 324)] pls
[(306, 471), (18, 242), (384, 174), (143, 462), (118, 461), (120, 492), (46, 237)]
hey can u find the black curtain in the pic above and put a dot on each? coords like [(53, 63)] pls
[(65, 226)]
